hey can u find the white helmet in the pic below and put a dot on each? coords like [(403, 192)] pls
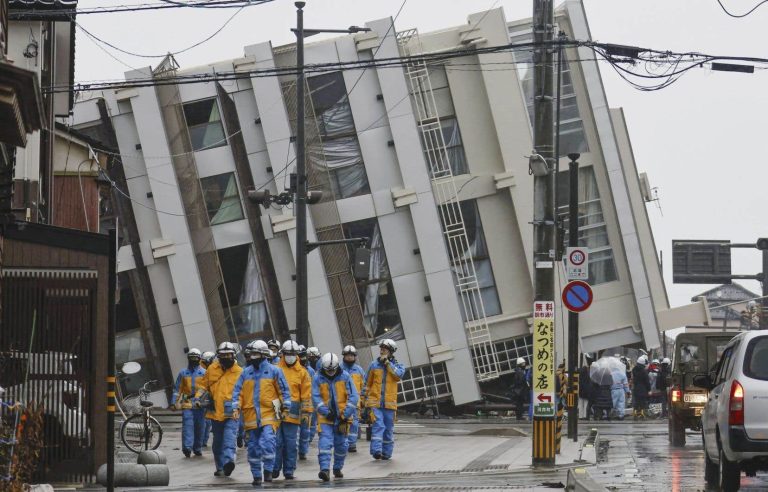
[(208, 356), (193, 352), (642, 360), (520, 361), (227, 348), (349, 350), (273, 343), (666, 360), (329, 362), (313, 352), (655, 361), (389, 344), (260, 347), (290, 347)]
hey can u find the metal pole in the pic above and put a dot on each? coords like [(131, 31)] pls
[(573, 318), (302, 321), (764, 301), (111, 319), (544, 202)]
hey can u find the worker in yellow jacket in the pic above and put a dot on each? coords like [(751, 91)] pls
[(301, 408), (219, 381), (380, 390)]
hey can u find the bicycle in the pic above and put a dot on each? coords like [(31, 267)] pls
[(141, 431)]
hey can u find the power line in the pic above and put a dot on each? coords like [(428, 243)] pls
[(740, 16), (161, 55), (19, 14)]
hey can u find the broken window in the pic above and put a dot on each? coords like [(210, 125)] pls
[(474, 248), (593, 232), (242, 294), (204, 124), (222, 200), (339, 154), (377, 295)]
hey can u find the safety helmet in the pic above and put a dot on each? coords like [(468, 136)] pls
[(589, 356), (260, 347), (666, 360), (642, 360), (389, 344), (226, 348), (302, 351), (313, 352), (208, 356), (273, 343), (329, 362), (290, 347), (520, 361), (349, 350), (655, 361), (194, 353)]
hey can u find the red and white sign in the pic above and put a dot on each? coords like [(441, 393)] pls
[(577, 263)]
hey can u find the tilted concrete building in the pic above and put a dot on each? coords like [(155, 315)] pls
[(426, 160)]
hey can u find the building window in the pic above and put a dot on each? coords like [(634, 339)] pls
[(476, 250), (242, 293), (377, 294), (423, 383), (508, 351), (439, 105), (593, 232), (339, 153), (222, 200), (204, 124), (572, 136)]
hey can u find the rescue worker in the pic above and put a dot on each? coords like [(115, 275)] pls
[(619, 392), (300, 386), (308, 421), (519, 390), (274, 348), (335, 397), (662, 383), (641, 386), (380, 390), (313, 357), (205, 361), (261, 395), (183, 398), (247, 407), (219, 381), (357, 373), (586, 389)]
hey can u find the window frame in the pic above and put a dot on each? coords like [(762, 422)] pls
[(213, 212), (225, 138)]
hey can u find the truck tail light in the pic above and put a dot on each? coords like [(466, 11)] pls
[(677, 395), (736, 404)]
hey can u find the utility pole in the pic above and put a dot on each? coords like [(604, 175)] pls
[(300, 200), (762, 245), (573, 318), (543, 166)]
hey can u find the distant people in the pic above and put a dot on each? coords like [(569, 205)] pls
[(381, 384), (662, 383), (301, 403), (641, 387), (586, 389), (519, 389), (274, 349), (207, 360), (619, 392), (602, 402), (308, 420), (184, 396), (357, 373)]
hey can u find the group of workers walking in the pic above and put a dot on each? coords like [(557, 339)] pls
[(280, 399)]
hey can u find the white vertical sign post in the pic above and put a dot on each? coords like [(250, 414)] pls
[(577, 263)]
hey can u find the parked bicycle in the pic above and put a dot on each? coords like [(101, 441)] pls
[(141, 431)]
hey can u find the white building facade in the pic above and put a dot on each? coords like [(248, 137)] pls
[(427, 161)]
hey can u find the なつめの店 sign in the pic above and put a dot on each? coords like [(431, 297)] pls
[(543, 359)]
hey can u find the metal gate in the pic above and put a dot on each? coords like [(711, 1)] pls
[(46, 356)]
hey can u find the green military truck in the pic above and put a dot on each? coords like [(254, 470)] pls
[(695, 353)]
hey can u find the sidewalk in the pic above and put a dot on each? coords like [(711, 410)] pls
[(424, 450)]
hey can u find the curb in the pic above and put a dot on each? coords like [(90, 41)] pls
[(579, 480)]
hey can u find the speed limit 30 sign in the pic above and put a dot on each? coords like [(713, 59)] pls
[(577, 263)]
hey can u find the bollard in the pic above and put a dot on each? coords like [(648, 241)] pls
[(152, 458), (135, 475)]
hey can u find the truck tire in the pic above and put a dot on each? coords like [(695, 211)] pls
[(676, 432), (730, 474)]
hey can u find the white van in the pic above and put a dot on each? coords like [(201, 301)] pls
[(735, 418)]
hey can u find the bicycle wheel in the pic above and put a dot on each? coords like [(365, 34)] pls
[(135, 438)]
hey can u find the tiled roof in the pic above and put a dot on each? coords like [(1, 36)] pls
[(42, 4)]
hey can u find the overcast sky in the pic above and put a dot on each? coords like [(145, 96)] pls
[(699, 140)]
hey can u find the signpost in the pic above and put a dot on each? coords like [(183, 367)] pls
[(577, 296), (577, 263), (543, 380)]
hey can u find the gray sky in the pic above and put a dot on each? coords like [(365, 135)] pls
[(694, 139)]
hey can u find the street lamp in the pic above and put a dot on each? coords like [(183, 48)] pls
[(301, 200)]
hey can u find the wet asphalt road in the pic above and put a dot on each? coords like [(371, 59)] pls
[(639, 457)]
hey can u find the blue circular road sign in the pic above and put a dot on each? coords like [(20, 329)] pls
[(577, 296)]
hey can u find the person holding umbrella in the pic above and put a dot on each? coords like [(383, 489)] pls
[(602, 377)]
